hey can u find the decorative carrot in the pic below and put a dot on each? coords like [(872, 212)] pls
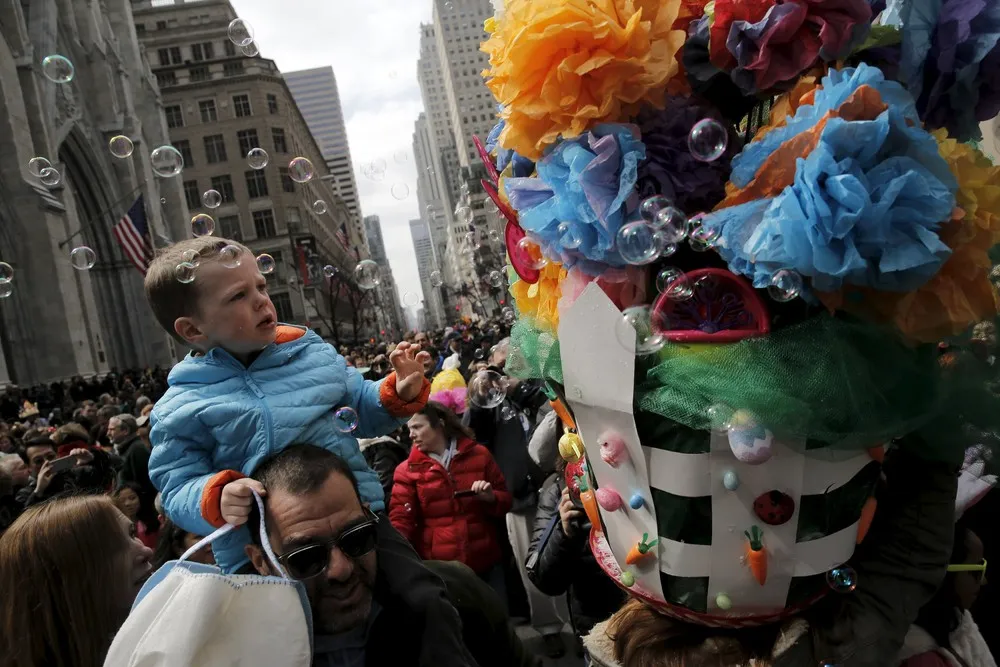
[(865, 520), (640, 550), (589, 502), (756, 554)]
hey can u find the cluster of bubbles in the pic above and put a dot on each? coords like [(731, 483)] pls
[(376, 171), (487, 389), (6, 280), (43, 170)]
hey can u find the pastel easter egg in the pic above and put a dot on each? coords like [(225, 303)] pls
[(609, 499), (751, 443), (613, 449)]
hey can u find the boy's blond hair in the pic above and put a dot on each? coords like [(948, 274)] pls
[(167, 296)]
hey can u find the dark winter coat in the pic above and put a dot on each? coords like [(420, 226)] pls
[(559, 564), (439, 525), (383, 456)]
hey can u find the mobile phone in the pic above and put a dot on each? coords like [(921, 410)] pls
[(465, 494), (63, 464)]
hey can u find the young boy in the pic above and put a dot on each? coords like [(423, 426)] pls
[(252, 387)]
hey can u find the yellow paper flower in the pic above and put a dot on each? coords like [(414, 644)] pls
[(539, 301), (558, 67), (960, 293)]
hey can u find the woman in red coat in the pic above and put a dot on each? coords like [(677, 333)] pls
[(449, 496)]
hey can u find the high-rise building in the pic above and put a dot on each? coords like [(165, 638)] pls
[(434, 211), (315, 91), (57, 321), (387, 299), (220, 103), (423, 249)]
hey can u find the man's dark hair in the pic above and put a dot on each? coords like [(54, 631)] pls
[(36, 441), (299, 470)]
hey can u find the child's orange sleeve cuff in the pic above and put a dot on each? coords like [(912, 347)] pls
[(211, 496), (396, 406)]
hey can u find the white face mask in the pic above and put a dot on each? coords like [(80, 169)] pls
[(191, 615)]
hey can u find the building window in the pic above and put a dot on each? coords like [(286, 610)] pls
[(272, 103), (164, 79), (232, 69), (140, 28), (229, 227), (208, 113), (215, 148), (196, 54), (200, 73), (248, 140), (224, 186), (241, 106), (175, 117), (256, 185), (175, 55), (203, 51), (230, 48), (161, 25), (209, 49), (184, 146), (287, 184), (278, 135), (292, 217), (164, 55), (263, 224), (282, 306), (192, 195)]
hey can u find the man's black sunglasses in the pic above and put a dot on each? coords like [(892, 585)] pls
[(313, 559)]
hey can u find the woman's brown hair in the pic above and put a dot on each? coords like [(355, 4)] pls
[(58, 571), (439, 416)]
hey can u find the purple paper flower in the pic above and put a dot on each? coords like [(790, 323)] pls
[(670, 169)]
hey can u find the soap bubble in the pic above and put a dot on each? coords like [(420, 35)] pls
[(265, 263), (495, 279), (487, 389), (674, 283), (240, 32), (532, 253), (653, 205), (401, 157), (411, 299), (494, 236), (708, 140), (50, 177), (367, 274), (211, 199), (301, 170), (329, 271), (719, 416), (568, 236), (257, 158), (82, 258), (166, 161), (435, 279), (345, 419), (465, 215), (6, 273), (378, 164), (672, 223), (471, 240), (638, 243), (400, 191), (231, 256), (36, 165), (202, 224), (250, 50), (666, 276), (508, 315), (58, 69), (842, 579), (700, 235), (191, 257), (120, 146), (319, 207), (6, 289), (185, 272), (507, 413), (668, 250), (785, 285), (644, 326)]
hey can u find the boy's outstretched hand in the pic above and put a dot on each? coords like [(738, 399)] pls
[(408, 362)]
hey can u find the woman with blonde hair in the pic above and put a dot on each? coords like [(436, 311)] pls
[(70, 570)]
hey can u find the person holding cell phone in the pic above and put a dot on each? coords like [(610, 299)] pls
[(81, 470), (448, 495)]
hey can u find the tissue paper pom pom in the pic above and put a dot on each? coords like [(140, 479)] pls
[(520, 165), (949, 61), (669, 168), (588, 183), (539, 300), (766, 44), (856, 197), (558, 67)]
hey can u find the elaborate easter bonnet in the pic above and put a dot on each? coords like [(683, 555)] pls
[(737, 232)]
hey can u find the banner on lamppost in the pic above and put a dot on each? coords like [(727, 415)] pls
[(309, 261)]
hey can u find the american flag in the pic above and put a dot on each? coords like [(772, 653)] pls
[(132, 233), (342, 235)]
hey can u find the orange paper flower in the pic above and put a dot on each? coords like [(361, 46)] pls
[(558, 67), (539, 301)]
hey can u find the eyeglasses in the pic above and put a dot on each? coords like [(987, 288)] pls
[(966, 567), (313, 559)]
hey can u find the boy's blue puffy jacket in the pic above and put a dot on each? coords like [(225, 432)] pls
[(221, 415)]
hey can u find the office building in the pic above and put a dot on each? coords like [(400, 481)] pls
[(315, 92), (221, 103), (387, 299), (423, 250)]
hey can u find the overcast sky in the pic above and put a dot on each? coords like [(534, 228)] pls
[(373, 48)]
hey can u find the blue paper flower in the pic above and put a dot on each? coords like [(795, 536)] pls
[(589, 183), (864, 207), (522, 166)]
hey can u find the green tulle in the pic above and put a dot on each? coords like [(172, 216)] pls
[(533, 353)]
